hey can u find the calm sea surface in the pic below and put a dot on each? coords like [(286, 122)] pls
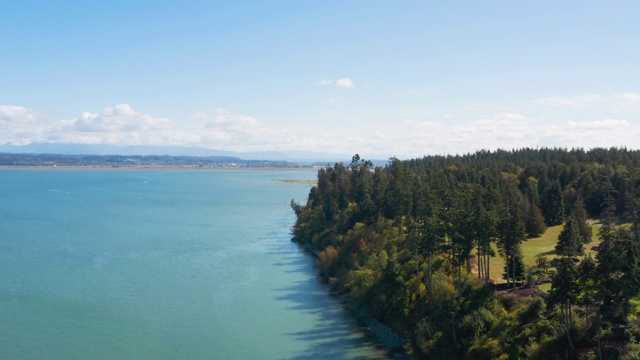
[(162, 265)]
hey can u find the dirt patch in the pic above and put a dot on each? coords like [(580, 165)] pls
[(520, 290)]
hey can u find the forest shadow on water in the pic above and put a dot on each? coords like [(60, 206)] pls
[(294, 264), (337, 335)]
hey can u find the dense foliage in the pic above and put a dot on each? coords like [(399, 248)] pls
[(412, 243)]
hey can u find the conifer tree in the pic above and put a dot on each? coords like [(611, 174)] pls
[(463, 231), (579, 213), (587, 284), (570, 241), (485, 223), (564, 293), (633, 204), (514, 270), (618, 273), (511, 231), (534, 222), (553, 205)]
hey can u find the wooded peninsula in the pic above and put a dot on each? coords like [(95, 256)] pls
[(415, 244)]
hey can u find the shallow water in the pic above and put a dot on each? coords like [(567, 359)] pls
[(162, 265)]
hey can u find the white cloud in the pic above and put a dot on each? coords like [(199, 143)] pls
[(343, 82), (626, 103), (600, 125), (224, 129), (325, 82), (117, 119), (118, 125), (20, 126), (506, 130), (10, 115), (412, 137), (591, 133)]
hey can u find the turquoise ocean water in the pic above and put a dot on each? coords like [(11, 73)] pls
[(162, 265)]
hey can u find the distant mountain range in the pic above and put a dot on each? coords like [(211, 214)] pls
[(88, 149)]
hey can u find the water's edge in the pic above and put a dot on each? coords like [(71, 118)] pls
[(382, 334)]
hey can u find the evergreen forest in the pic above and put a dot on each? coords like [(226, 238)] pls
[(414, 244)]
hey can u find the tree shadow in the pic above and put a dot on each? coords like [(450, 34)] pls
[(546, 253), (338, 334), (338, 338)]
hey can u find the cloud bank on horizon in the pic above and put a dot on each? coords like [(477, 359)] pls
[(389, 79), (446, 133)]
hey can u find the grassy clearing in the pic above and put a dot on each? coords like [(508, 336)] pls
[(545, 287), (534, 248)]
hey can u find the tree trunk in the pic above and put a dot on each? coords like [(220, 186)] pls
[(487, 273), (479, 263), (459, 279), (430, 276), (569, 322), (598, 332), (453, 329), (513, 261), (507, 267), (586, 311)]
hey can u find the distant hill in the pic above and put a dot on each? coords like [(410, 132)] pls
[(89, 149), (120, 161)]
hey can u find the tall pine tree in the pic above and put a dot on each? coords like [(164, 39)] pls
[(570, 241)]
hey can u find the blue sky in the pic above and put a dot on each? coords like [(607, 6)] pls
[(378, 78)]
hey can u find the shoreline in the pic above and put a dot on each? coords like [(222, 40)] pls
[(150, 167), (390, 341), (382, 334)]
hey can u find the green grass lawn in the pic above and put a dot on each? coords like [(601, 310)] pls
[(534, 248), (545, 287)]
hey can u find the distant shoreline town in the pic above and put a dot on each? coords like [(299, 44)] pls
[(143, 161)]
